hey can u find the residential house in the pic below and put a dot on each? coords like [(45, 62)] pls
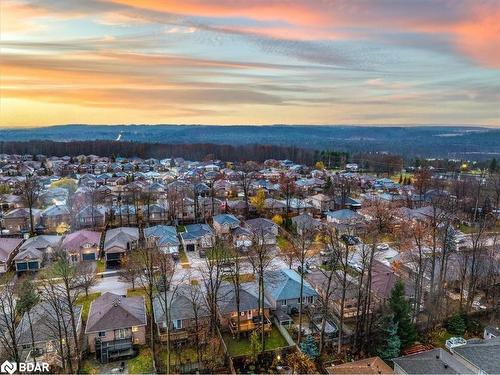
[(18, 220), (91, 217), (54, 216), (282, 289), (165, 237), (8, 249), (117, 242), (82, 245), (115, 324), (481, 356), (344, 218), (242, 238), (197, 237), (45, 322), (249, 317), (320, 202), (349, 203), (224, 223), (264, 230), (189, 315), (305, 223), (35, 251), (435, 361)]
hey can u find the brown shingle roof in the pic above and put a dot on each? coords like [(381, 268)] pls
[(373, 365)]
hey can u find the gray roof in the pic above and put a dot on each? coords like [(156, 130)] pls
[(111, 311), (226, 219), (181, 303), (7, 246), (435, 361), (196, 231), (44, 321), (120, 237), (484, 354), (249, 299)]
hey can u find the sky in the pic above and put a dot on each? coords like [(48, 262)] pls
[(249, 62)]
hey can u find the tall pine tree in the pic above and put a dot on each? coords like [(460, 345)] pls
[(386, 343), (402, 315)]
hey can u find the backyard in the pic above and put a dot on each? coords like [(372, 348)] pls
[(142, 363), (86, 301), (241, 347)]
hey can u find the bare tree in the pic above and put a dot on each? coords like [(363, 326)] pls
[(30, 194), (8, 319), (69, 291), (301, 242), (85, 276), (130, 268)]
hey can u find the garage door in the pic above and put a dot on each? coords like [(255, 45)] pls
[(90, 256)]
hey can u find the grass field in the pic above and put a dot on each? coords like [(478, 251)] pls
[(86, 301)]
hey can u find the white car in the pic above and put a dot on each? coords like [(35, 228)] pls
[(382, 247)]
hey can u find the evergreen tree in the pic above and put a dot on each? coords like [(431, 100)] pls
[(402, 315), (456, 325), (309, 347), (386, 343), (493, 165)]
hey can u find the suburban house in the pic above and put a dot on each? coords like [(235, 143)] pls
[(117, 242), (344, 217), (341, 203), (250, 319), (264, 230), (225, 223), (197, 237), (319, 280), (18, 220), (321, 202), (242, 238), (165, 237), (54, 216), (305, 223), (91, 217), (82, 245), (48, 346), (282, 289), (435, 361), (481, 356), (34, 251), (8, 249), (189, 315), (115, 324)]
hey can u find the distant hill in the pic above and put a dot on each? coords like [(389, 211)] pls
[(458, 142)]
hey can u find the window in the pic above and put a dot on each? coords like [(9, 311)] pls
[(283, 302), (121, 333), (102, 334), (177, 324), (310, 299), (135, 329)]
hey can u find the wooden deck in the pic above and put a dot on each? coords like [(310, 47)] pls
[(249, 325)]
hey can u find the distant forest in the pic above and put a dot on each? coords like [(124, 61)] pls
[(454, 142), (204, 151), (197, 151)]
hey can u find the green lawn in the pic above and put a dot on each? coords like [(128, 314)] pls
[(85, 301), (241, 347), (142, 363)]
